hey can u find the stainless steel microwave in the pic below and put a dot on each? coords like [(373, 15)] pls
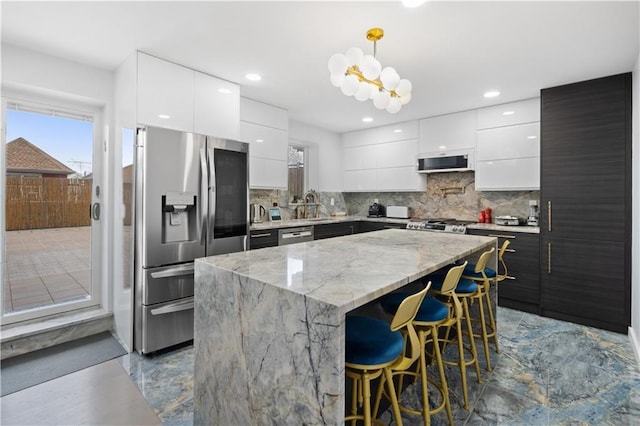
[(458, 160)]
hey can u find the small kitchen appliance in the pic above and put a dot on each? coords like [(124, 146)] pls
[(532, 220), (257, 212), (376, 210), (399, 212), (507, 220)]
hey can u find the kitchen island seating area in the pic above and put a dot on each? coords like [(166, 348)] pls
[(377, 349), (269, 345)]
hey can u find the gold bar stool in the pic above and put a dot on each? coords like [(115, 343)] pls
[(376, 349), (483, 276), (448, 291)]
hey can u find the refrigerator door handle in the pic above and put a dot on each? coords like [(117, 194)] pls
[(175, 272), (174, 307), (204, 192), (212, 196)]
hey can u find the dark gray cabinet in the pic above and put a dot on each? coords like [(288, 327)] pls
[(585, 218), (263, 238), (521, 290), (330, 230)]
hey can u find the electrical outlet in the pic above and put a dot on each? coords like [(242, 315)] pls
[(375, 200), (333, 202)]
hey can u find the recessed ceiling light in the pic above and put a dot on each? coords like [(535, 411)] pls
[(531, 137), (253, 77), (164, 116), (367, 119), (259, 140), (224, 91), (508, 113), (491, 94), (442, 147), (397, 131)]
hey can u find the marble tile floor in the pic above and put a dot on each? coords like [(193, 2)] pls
[(549, 372)]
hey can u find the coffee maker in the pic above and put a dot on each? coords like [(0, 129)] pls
[(532, 220)]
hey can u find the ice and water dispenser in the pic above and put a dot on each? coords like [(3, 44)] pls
[(179, 222)]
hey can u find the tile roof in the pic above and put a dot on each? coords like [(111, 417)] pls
[(23, 156)]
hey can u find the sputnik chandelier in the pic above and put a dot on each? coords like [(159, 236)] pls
[(363, 77)]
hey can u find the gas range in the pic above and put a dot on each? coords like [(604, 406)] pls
[(439, 225)]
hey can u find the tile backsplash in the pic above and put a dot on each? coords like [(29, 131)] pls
[(450, 195)]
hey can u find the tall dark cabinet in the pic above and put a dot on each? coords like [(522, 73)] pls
[(585, 192)]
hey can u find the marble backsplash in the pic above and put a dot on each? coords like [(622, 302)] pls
[(450, 195)]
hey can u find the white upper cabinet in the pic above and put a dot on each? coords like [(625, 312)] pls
[(265, 128), (508, 147), (401, 179), (397, 154), (527, 111), (448, 132), (266, 115), (165, 94), (360, 138), (266, 142), (398, 132), (501, 143), (361, 180), (360, 157), (216, 107)]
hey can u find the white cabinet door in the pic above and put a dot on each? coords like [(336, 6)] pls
[(360, 180), (508, 175), (165, 94), (360, 157), (263, 114), (265, 142), (522, 140), (527, 111), (398, 154), (216, 107), (401, 179), (267, 173), (360, 138), (447, 132), (398, 132)]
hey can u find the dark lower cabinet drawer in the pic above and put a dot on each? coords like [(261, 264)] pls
[(263, 238)]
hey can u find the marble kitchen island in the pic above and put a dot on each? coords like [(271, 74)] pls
[(269, 323)]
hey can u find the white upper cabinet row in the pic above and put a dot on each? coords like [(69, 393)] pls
[(176, 97), (505, 139), (265, 128), (382, 159)]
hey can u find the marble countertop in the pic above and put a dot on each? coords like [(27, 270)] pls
[(350, 271), (334, 219), (337, 219), (493, 227)]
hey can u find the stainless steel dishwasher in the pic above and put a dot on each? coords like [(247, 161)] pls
[(295, 235)]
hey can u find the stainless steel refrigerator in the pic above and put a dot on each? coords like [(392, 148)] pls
[(191, 198)]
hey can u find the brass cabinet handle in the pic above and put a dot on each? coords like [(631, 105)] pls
[(549, 215), (260, 235), (548, 258), (501, 236)]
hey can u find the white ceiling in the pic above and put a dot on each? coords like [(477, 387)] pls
[(451, 51)]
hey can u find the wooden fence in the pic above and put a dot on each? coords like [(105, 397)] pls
[(47, 202)]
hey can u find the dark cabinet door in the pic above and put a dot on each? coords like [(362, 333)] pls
[(585, 218), (330, 230), (521, 290), (263, 238)]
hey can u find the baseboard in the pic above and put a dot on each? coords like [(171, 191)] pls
[(635, 344)]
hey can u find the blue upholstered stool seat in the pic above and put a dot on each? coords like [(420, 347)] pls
[(430, 310), (465, 286), (469, 271), (370, 341)]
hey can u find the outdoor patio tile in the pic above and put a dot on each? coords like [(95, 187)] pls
[(63, 296), (60, 282), (31, 302)]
